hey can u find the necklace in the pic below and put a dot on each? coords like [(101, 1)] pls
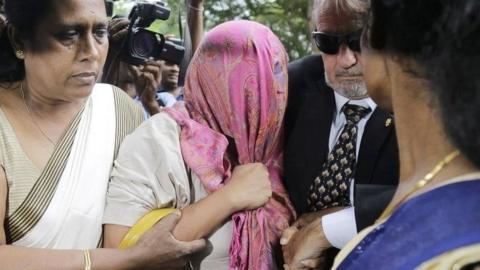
[(421, 183), (30, 115)]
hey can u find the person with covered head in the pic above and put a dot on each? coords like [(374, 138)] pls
[(422, 59), (59, 135), (217, 155)]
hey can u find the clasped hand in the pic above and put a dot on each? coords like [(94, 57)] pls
[(304, 243)]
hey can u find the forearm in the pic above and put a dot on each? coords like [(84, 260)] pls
[(13, 257), (249, 187), (201, 218), (113, 235), (195, 23)]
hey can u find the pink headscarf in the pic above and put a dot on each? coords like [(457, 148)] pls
[(236, 87)]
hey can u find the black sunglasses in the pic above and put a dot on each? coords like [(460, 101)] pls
[(330, 43)]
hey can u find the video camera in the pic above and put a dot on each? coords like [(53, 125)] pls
[(141, 44)]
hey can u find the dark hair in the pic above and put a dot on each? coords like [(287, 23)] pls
[(23, 15), (443, 37)]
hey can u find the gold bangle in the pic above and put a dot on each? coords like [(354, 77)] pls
[(200, 9), (88, 261)]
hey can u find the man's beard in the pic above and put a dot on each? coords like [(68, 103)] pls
[(349, 89)]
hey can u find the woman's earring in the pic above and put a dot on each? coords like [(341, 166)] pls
[(20, 54)]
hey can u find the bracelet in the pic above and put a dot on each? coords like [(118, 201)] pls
[(88, 261), (196, 8)]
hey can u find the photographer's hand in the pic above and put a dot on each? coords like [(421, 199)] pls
[(147, 80), (117, 31)]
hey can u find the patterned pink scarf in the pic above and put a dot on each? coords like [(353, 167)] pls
[(236, 88)]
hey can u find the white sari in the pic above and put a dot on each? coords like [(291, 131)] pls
[(64, 209)]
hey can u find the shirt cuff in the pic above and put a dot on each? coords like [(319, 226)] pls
[(352, 192), (340, 227)]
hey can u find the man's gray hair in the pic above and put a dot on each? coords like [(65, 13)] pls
[(359, 7)]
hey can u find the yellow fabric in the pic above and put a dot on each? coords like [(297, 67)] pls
[(143, 225), (453, 260)]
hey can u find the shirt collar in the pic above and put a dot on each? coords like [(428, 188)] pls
[(340, 101)]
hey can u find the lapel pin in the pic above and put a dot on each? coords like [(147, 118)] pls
[(388, 122)]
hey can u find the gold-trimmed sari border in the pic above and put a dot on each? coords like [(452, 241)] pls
[(453, 260), (125, 123), (31, 210)]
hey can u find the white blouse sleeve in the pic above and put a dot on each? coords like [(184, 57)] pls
[(149, 173)]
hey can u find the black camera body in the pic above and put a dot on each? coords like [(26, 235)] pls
[(141, 44)]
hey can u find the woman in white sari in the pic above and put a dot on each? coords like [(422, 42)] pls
[(59, 134)]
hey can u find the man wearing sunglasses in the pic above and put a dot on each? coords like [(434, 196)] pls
[(341, 155)]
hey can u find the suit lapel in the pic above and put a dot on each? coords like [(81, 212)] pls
[(311, 144), (377, 129), (319, 124)]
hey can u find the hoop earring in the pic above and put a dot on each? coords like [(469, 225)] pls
[(20, 54)]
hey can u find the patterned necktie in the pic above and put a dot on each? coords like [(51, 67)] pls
[(331, 187)]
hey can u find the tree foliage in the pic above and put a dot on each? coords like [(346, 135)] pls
[(288, 19)]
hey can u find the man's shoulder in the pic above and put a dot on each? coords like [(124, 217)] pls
[(306, 76), (310, 66), (308, 91)]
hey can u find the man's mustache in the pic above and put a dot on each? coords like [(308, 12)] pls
[(351, 72), (348, 73)]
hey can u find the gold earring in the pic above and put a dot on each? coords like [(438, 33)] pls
[(20, 54)]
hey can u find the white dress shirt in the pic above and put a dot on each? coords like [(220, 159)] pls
[(340, 227)]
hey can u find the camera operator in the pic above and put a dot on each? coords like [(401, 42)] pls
[(144, 82), (169, 92), (139, 82)]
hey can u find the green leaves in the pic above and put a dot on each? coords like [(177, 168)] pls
[(288, 19)]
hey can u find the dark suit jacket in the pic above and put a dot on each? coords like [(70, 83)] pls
[(308, 120)]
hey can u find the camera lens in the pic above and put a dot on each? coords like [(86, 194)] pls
[(144, 44)]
